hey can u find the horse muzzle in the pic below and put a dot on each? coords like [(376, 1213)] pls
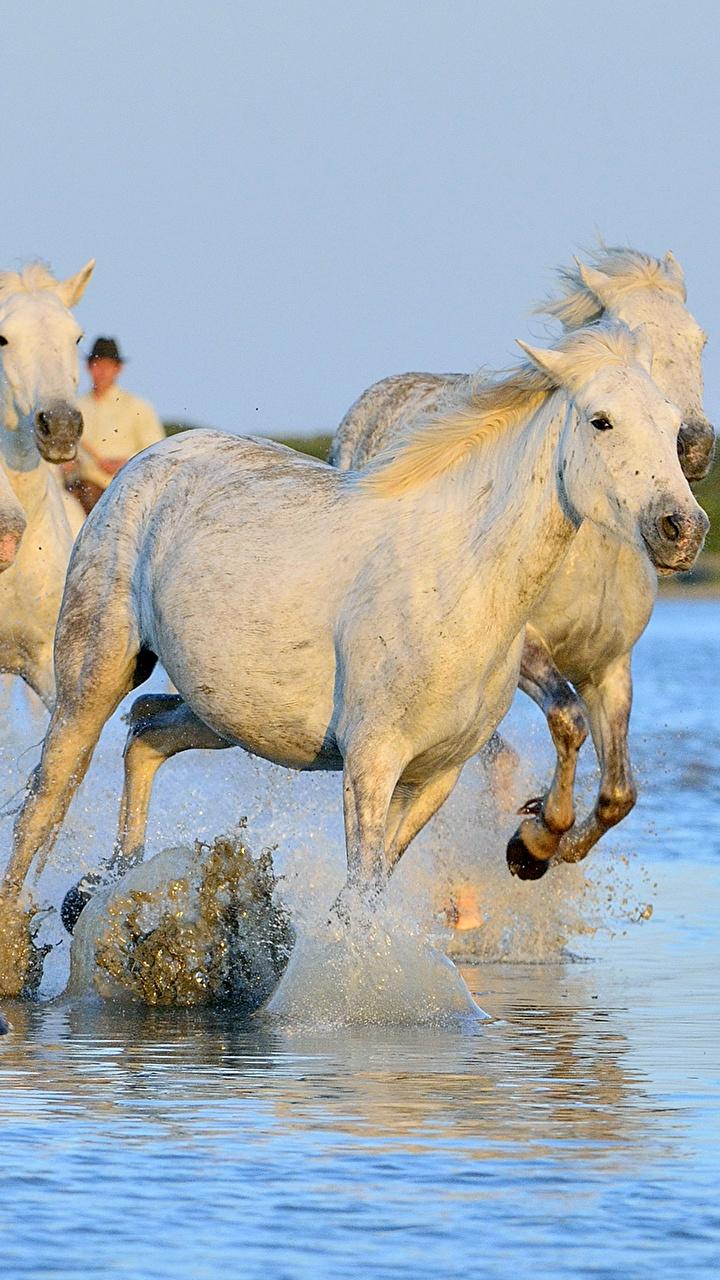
[(58, 427), (696, 446), (673, 537)]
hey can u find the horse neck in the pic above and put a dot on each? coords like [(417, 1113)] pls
[(511, 531)]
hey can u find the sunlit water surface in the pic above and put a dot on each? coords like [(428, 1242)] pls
[(574, 1134)]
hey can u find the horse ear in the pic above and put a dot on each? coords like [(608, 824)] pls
[(596, 281), (672, 268), (643, 347), (550, 362), (72, 289)]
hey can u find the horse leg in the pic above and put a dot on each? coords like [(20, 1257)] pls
[(98, 660), (37, 671), (411, 809), (161, 725), (370, 776), (609, 703), (90, 687), (40, 675), (538, 837), (72, 736), (500, 762)]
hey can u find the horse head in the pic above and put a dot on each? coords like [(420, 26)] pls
[(39, 338), (640, 290), (618, 463)]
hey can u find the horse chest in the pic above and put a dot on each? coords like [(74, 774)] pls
[(597, 605)]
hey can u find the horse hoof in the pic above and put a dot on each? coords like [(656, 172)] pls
[(522, 862), (533, 806), (4, 1026), (76, 899)]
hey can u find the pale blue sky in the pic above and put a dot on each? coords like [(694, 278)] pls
[(288, 201)]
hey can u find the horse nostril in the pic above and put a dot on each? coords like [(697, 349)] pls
[(43, 421), (671, 527)]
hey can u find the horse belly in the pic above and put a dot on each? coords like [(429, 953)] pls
[(263, 682)]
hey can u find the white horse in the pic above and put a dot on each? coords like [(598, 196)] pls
[(39, 423), (371, 623), (586, 623)]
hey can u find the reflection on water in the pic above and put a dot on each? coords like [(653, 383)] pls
[(583, 1117), (546, 1077), (575, 1134)]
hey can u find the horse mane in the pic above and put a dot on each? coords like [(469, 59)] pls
[(579, 306), (30, 277), (487, 407)]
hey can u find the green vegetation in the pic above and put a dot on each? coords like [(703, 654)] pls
[(316, 446), (174, 428), (708, 495)]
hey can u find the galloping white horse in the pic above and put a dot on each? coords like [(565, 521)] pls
[(39, 422), (371, 623), (589, 618)]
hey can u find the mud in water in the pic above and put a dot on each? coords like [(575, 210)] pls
[(191, 926)]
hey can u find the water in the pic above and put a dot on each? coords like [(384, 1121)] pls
[(574, 1134)]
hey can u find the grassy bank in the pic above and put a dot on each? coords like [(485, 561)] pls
[(704, 577), (316, 446)]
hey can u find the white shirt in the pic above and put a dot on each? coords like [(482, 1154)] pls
[(116, 426)]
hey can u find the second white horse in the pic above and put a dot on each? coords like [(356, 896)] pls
[(594, 610)]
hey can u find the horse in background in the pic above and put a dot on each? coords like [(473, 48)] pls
[(582, 630), (40, 424), (393, 660)]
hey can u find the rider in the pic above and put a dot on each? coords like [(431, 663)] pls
[(117, 425)]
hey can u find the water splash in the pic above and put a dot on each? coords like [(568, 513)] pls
[(369, 965), (190, 926), (512, 920), (461, 853)]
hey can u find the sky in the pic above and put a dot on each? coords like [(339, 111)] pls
[(288, 201)]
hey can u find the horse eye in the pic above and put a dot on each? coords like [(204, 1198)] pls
[(78, 340), (601, 423), (3, 341)]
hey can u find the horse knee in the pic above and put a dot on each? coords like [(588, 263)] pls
[(567, 722), (143, 745), (615, 804)]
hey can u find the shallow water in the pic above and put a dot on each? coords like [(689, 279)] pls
[(575, 1134)]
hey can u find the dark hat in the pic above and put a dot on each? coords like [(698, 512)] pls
[(106, 349)]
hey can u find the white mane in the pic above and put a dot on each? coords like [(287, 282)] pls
[(31, 277), (485, 408), (628, 268)]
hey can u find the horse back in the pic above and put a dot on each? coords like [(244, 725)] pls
[(382, 413)]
